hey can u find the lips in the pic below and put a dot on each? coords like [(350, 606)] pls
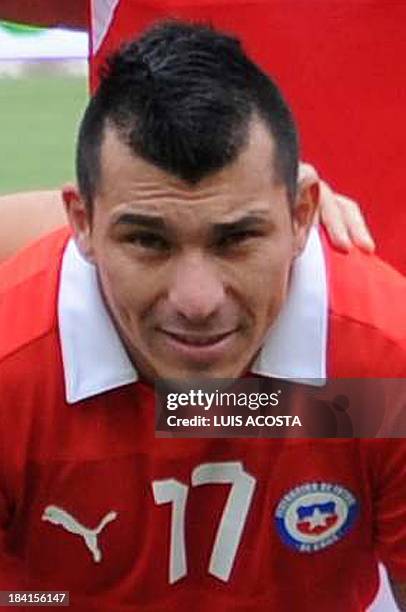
[(198, 348), (196, 340)]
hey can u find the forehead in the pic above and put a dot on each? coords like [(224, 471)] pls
[(129, 182)]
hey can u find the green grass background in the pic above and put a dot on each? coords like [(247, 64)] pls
[(39, 117)]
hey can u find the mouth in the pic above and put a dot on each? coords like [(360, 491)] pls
[(199, 347)]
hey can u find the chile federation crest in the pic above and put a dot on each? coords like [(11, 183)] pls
[(315, 515)]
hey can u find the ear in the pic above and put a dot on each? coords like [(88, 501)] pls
[(305, 209), (79, 219)]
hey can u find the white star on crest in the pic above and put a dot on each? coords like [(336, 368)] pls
[(317, 519)]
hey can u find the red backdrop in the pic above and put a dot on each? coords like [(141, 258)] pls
[(341, 65)]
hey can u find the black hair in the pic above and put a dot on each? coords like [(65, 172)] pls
[(182, 97)]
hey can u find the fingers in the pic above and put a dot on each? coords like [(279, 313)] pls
[(341, 216), (332, 218), (307, 172), (344, 221), (355, 223)]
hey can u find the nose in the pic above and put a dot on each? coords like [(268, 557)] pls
[(196, 290)]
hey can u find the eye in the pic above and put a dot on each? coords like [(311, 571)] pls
[(237, 238), (149, 240)]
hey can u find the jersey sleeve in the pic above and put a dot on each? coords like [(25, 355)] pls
[(12, 574), (390, 506), (11, 569)]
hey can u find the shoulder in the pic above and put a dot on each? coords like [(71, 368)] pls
[(26, 216), (31, 370), (367, 323), (28, 292)]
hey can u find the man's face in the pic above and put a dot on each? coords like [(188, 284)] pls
[(193, 275)]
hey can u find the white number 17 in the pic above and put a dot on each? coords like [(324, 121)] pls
[(232, 522)]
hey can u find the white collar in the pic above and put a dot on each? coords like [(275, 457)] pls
[(95, 360)]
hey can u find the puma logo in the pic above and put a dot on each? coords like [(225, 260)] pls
[(58, 516)]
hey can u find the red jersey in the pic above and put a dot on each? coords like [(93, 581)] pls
[(337, 63), (92, 503)]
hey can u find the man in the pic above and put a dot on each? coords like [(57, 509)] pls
[(320, 54), (187, 171)]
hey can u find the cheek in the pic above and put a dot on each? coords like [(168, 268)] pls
[(126, 289), (265, 281), (273, 296)]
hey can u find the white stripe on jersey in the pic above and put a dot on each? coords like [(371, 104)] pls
[(101, 12)]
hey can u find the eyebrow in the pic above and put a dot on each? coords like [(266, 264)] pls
[(149, 221), (244, 223), (157, 223)]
